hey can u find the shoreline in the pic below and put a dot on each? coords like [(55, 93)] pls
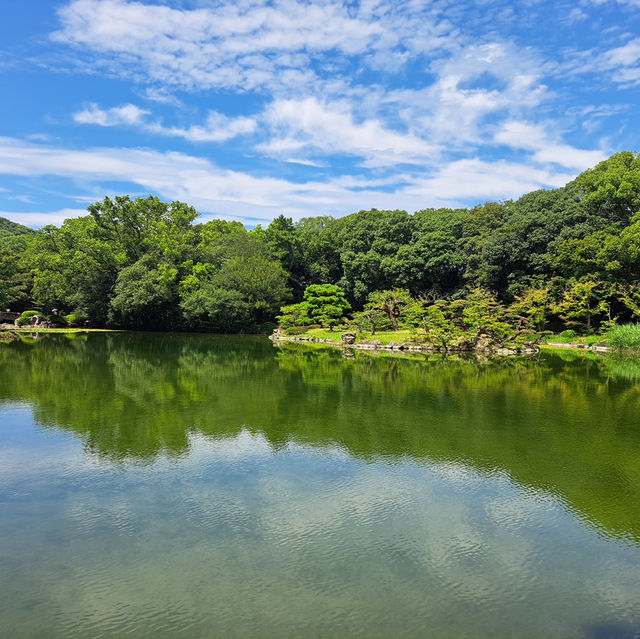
[(374, 346), (404, 347)]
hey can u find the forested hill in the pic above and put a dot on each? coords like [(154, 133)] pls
[(7, 227), (147, 264)]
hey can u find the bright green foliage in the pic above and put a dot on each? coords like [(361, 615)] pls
[(436, 321), (74, 320), (481, 312), (143, 225), (283, 244), (294, 315), (326, 304), (624, 337), (372, 319), (25, 317), (393, 303), (531, 308), (241, 291), (581, 303), (611, 254), (74, 269), (143, 262), (612, 188), (9, 228), (142, 296)]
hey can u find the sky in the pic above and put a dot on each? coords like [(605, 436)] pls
[(256, 108)]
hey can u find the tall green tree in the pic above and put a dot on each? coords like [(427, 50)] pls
[(393, 302), (326, 304)]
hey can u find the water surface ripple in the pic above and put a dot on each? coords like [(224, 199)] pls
[(204, 486)]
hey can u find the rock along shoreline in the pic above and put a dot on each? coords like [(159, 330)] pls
[(481, 345)]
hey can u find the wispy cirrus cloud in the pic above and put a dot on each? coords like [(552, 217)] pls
[(327, 106), (127, 114), (217, 127), (310, 126), (535, 138), (624, 62), (248, 45), (240, 195)]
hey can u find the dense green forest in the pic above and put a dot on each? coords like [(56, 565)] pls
[(567, 257)]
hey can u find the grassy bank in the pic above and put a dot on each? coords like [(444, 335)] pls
[(572, 338), (385, 336), (625, 337), (32, 329)]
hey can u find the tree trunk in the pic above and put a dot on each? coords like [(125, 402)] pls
[(389, 310)]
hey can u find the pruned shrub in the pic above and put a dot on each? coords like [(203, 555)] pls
[(57, 320), (25, 317)]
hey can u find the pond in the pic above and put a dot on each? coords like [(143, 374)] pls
[(199, 486)]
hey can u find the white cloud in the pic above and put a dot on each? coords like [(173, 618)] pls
[(25, 199), (620, 65), (162, 96), (225, 46), (128, 114), (631, 3), (624, 62), (475, 84), (626, 55), (42, 219), (476, 179), (308, 57), (218, 127), (535, 138), (308, 126), (234, 194)]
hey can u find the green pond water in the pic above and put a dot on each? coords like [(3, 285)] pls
[(204, 486)]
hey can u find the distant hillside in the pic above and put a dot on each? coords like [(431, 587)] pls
[(7, 227)]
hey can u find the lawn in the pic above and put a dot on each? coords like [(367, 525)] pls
[(385, 337)]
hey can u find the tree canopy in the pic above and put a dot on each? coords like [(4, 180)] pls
[(144, 263)]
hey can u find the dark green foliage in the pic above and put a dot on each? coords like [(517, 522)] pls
[(567, 257), (242, 287), (15, 275), (75, 320), (7, 227)]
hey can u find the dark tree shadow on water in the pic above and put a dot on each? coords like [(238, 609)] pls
[(614, 630)]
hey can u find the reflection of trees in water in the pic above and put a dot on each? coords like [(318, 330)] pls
[(564, 422)]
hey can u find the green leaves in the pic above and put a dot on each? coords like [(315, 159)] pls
[(326, 304), (612, 188), (581, 303)]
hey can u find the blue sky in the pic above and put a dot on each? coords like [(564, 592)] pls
[(251, 109)]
